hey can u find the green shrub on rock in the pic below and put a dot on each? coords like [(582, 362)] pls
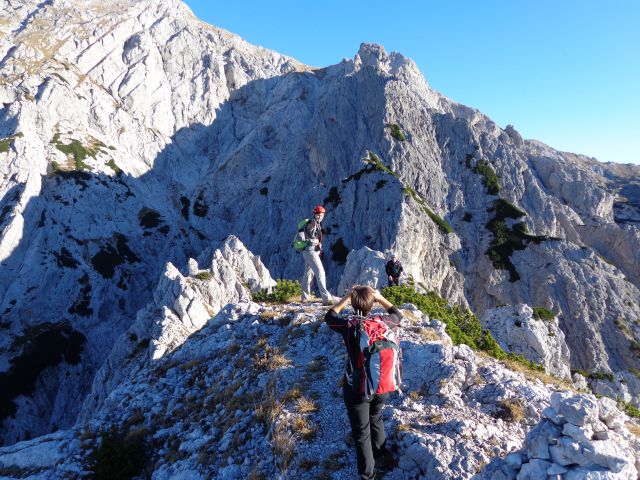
[(283, 292), (463, 325), (119, 455), (542, 313)]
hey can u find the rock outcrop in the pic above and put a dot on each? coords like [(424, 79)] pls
[(579, 437), (540, 340), (364, 267), (181, 307)]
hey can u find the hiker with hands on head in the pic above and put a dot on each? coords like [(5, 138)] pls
[(372, 370), (312, 262)]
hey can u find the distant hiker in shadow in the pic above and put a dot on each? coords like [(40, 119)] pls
[(394, 270), (373, 370), (311, 253)]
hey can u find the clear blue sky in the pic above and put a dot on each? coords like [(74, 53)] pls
[(565, 72)]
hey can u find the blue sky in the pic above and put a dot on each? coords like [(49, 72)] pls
[(564, 72)]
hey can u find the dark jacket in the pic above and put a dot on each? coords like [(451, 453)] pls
[(346, 329), (313, 230), (393, 269)]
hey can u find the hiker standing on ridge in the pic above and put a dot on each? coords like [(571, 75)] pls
[(365, 387), (394, 270), (311, 255)]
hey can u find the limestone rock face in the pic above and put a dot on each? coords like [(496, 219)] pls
[(364, 267), (181, 306), (132, 135), (541, 341)]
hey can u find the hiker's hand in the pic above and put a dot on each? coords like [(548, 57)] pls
[(376, 295)]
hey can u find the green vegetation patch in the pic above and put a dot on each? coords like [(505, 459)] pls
[(78, 151), (462, 325), (112, 164), (601, 376), (204, 276), (119, 455), (507, 240), (542, 313), (283, 292), (489, 177), (443, 225), (5, 142), (397, 133), (628, 409), (374, 160)]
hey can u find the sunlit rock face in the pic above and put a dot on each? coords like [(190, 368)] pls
[(132, 135)]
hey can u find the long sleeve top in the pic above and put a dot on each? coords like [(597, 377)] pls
[(346, 328)]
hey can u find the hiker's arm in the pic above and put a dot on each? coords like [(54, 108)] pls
[(343, 302), (384, 303)]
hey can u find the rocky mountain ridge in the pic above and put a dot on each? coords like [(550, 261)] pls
[(254, 392), (132, 135)]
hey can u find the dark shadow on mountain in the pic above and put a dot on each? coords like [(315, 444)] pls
[(94, 244)]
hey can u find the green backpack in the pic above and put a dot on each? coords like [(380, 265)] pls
[(299, 241)]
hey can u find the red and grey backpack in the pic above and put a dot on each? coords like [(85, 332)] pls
[(379, 361)]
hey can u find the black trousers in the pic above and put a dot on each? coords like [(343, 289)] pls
[(394, 281), (367, 429)]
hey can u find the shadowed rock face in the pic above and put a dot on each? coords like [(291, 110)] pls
[(137, 135)]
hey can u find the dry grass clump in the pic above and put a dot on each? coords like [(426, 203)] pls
[(269, 358), (633, 428), (411, 317), (511, 410), (267, 315), (306, 405), (270, 408), (429, 335), (302, 427), (283, 447), (291, 332), (436, 419), (294, 394), (403, 427)]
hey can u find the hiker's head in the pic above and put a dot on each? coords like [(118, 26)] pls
[(394, 256), (362, 298), (318, 212)]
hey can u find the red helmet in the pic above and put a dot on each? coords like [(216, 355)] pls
[(318, 209)]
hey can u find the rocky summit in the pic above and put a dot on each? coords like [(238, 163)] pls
[(154, 169)]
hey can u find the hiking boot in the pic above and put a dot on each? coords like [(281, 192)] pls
[(385, 462), (331, 301)]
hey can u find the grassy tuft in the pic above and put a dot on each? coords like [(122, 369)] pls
[(442, 225), (396, 132), (489, 176), (204, 276), (542, 313), (511, 410)]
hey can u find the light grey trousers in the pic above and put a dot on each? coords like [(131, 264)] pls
[(313, 267)]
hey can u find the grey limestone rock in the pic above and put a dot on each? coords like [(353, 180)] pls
[(541, 341)]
